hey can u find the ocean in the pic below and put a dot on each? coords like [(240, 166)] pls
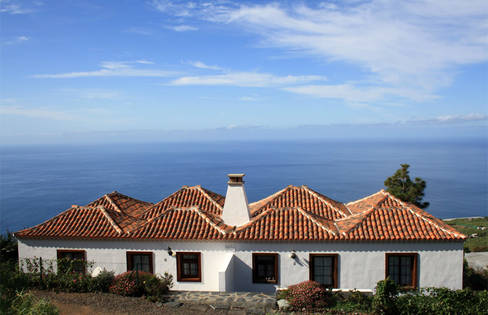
[(38, 182)]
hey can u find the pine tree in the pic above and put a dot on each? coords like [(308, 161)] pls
[(401, 186)]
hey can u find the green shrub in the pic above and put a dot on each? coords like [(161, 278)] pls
[(102, 282), (443, 301), (156, 287), (352, 301), (384, 299), (26, 304), (307, 294), (130, 283), (11, 281)]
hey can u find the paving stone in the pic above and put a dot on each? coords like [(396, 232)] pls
[(200, 308), (173, 304)]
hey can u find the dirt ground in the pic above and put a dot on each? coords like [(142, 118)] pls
[(111, 304)]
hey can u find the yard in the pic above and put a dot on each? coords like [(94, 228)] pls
[(476, 229)]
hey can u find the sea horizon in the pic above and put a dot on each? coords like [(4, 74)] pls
[(40, 181)]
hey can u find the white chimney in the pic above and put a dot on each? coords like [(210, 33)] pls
[(236, 211)]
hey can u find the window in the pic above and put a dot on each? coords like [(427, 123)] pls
[(141, 261), (402, 268), (323, 269), (71, 259), (189, 267), (265, 268)]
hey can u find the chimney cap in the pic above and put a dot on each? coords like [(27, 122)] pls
[(235, 178)]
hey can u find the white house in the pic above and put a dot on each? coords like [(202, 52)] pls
[(212, 243)]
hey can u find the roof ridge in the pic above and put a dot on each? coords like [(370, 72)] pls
[(112, 203), (366, 214), (109, 218), (123, 195), (254, 219), (317, 195), (208, 219), (356, 201), (202, 190), (271, 197), (50, 219), (409, 206), (310, 216)]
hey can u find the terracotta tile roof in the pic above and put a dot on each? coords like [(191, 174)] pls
[(389, 218), (124, 210), (76, 222), (188, 197), (286, 224), (293, 213), (304, 198), (181, 223)]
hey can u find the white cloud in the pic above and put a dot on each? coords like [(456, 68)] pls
[(183, 28), (34, 112), (245, 79), (409, 45), (93, 94), (201, 65), (461, 118), (113, 69), (17, 40), (358, 93), (13, 7), (248, 99)]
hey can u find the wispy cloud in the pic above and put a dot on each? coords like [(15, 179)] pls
[(407, 46), (17, 40), (245, 79), (92, 94), (461, 118), (13, 7), (248, 98), (34, 112), (358, 93), (201, 65), (182, 28), (113, 69)]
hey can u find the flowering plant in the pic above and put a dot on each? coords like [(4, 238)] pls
[(307, 294)]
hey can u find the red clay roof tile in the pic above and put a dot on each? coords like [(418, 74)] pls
[(294, 213)]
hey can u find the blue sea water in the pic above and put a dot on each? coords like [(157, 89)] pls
[(38, 182)]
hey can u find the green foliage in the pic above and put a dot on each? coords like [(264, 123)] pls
[(8, 248), (26, 304), (401, 186), (156, 287), (128, 283), (472, 226), (281, 294), (11, 282), (384, 299), (307, 294), (443, 301), (474, 279), (352, 301), (102, 282)]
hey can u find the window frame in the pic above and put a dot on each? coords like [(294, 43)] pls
[(414, 283), (129, 261), (179, 267), (254, 269), (335, 262), (61, 251)]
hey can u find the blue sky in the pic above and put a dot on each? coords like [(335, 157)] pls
[(95, 71)]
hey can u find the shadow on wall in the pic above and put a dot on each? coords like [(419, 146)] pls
[(243, 279)]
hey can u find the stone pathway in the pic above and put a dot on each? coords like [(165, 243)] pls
[(227, 302)]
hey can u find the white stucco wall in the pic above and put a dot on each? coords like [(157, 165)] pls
[(361, 264)]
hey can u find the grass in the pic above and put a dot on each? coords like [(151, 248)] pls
[(468, 227)]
